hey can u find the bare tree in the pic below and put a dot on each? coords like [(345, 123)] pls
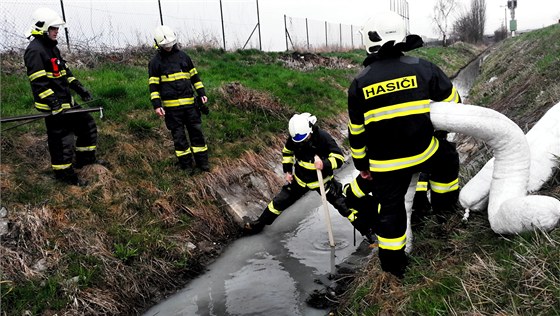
[(442, 10), (469, 27)]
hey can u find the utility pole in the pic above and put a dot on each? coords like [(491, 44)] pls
[(512, 4)]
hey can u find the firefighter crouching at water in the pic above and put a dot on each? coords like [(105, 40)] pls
[(51, 81), (300, 165), (391, 135), (173, 79)]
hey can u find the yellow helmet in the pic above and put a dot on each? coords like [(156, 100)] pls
[(43, 18), (164, 36)]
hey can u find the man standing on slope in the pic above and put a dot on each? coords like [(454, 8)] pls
[(51, 81), (173, 80), (391, 135)]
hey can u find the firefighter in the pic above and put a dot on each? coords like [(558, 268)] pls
[(51, 81), (173, 80), (363, 207), (307, 150), (391, 135)]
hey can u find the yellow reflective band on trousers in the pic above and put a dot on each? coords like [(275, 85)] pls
[(439, 187), (199, 149), (86, 148), (397, 110), (392, 243), (61, 167), (422, 186), (356, 189), (453, 97), (406, 162), (178, 102), (272, 209), (358, 153), (180, 153), (356, 129), (176, 76), (312, 185)]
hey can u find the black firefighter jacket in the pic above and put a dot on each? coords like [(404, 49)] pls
[(299, 158), (172, 77), (389, 109), (49, 75)]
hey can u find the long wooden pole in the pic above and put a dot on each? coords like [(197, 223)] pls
[(325, 206)]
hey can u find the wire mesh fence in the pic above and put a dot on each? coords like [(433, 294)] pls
[(104, 25)]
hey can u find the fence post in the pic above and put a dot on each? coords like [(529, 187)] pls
[(65, 28), (286, 32), (223, 30), (326, 36), (307, 32), (340, 33), (352, 35), (160, 14), (259, 22)]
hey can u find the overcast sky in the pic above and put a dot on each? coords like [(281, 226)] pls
[(119, 22), (529, 13)]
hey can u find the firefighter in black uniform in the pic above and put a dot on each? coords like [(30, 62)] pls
[(173, 79), (51, 81), (307, 150), (391, 135)]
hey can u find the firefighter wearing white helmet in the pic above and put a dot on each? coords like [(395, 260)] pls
[(307, 149), (392, 137), (51, 83), (164, 36), (178, 95)]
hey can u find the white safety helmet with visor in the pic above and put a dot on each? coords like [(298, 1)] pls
[(301, 126)]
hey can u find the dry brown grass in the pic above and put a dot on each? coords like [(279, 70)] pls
[(253, 100), (309, 61)]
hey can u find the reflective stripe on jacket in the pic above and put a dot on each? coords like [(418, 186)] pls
[(389, 110), (299, 158), (173, 79)]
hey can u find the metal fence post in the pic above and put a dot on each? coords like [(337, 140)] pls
[(160, 14), (326, 36), (223, 30), (65, 28), (259, 22), (307, 32)]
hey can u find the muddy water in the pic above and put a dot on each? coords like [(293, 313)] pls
[(274, 272)]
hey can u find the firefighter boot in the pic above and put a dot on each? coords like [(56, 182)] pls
[(186, 163), (84, 158), (252, 227), (201, 160), (70, 177)]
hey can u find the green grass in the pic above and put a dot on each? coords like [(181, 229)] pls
[(126, 209)]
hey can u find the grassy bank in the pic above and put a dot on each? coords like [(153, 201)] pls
[(468, 269), (142, 228)]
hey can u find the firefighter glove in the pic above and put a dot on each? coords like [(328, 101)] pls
[(86, 96)]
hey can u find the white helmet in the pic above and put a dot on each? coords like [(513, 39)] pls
[(301, 126), (43, 18), (164, 36), (383, 27)]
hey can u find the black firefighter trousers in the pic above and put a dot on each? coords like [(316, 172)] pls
[(176, 120), (292, 192), (391, 187), (62, 130)]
